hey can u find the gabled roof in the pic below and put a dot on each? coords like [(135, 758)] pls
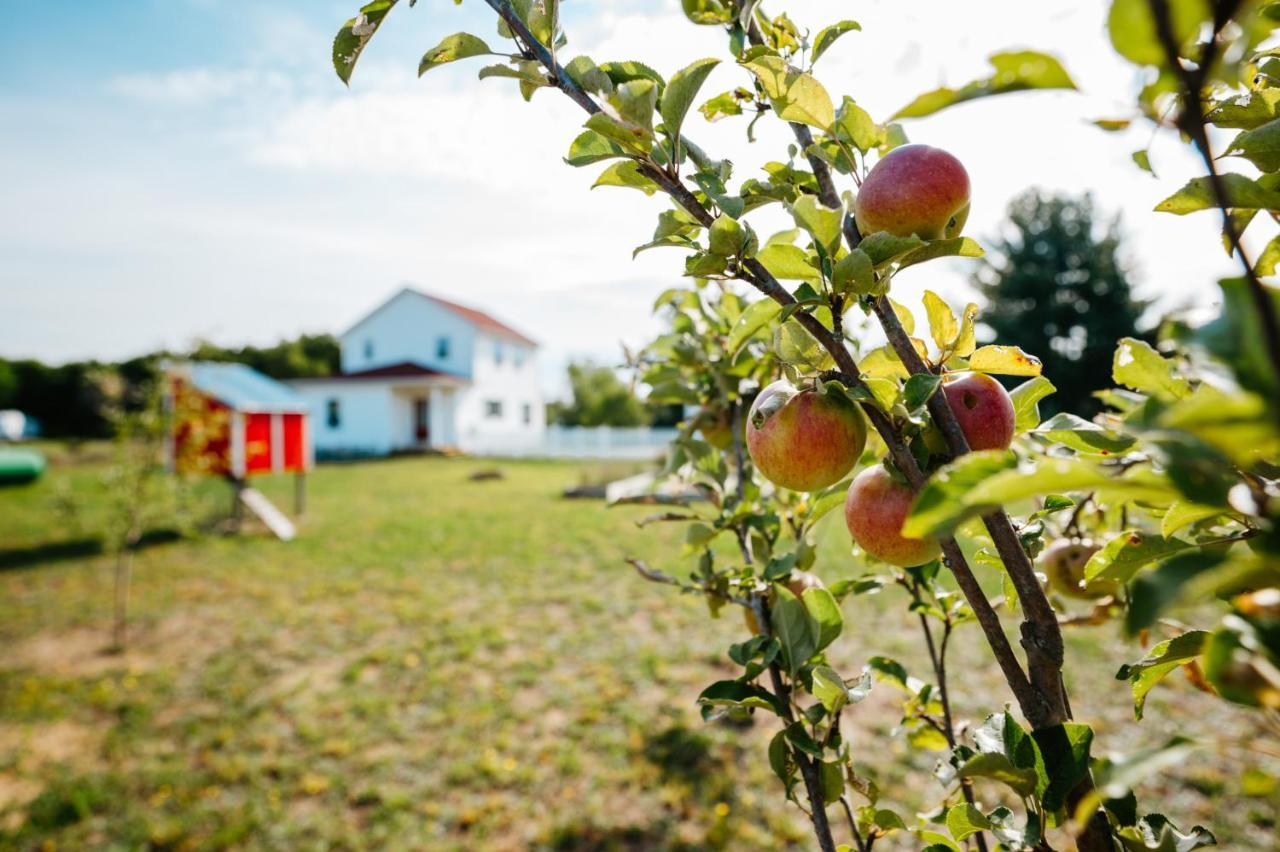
[(402, 370), (240, 387), (475, 316)]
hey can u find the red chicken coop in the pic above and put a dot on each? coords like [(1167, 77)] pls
[(232, 421)]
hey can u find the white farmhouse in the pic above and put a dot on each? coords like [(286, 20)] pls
[(421, 372)]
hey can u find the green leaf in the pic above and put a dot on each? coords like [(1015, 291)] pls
[(708, 12), (1241, 192), (626, 174), (734, 693), (1269, 259), (1142, 159), (957, 247), (625, 72), (965, 342), (999, 767), (982, 481), (726, 235), (1236, 337), (590, 147), (964, 820), (1014, 72), (757, 316), (829, 689), (1133, 30), (827, 36), (1138, 366), (1083, 436), (1245, 111), (1128, 552), (725, 104), (918, 389), (1004, 361), (855, 126), (588, 75), (636, 101), (355, 35), (452, 48), (796, 96), (826, 615), (794, 627), (1026, 398), (822, 222), (943, 326), (883, 246), (1260, 146), (853, 274), (1183, 514), (678, 96), (1159, 661), (1065, 752), (788, 262), (832, 780)]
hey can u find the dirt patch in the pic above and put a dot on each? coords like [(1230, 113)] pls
[(63, 742), (185, 638), (15, 791)]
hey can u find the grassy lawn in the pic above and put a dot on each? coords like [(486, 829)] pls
[(452, 664)]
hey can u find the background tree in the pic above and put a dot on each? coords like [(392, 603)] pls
[(600, 398), (1057, 279)]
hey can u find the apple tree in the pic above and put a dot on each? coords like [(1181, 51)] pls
[(1166, 497)]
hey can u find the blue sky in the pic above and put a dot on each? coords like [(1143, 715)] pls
[(185, 169)]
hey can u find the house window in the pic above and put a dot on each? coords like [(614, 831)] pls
[(333, 414), (493, 408), (497, 352), (442, 348), (517, 356), (527, 414), (368, 350)]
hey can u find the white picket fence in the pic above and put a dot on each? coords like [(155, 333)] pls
[(583, 442)]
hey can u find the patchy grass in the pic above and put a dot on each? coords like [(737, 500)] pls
[(443, 663)]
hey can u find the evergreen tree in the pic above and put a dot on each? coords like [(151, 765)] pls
[(1056, 288)]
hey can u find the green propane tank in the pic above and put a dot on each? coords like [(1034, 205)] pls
[(19, 466)]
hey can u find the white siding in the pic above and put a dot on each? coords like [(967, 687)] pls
[(366, 420), (408, 327), (504, 382)]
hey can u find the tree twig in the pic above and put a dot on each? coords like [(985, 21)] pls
[(1191, 121)]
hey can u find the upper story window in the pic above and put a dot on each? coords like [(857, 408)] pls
[(517, 356), (498, 352), (527, 414), (368, 350), (442, 348), (493, 408), (333, 413)]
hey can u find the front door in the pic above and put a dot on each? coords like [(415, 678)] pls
[(421, 422)]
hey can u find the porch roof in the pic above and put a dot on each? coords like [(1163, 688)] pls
[(400, 370)]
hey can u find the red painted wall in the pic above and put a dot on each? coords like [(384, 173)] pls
[(295, 447), (257, 443)]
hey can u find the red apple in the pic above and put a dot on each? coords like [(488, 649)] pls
[(796, 583), (802, 439), (1063, 562), (875, 510), (984, 410), (914, 189)]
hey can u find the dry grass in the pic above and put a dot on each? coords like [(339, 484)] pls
[(450, 664)]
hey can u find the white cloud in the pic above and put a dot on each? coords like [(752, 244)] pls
[(198, 86)]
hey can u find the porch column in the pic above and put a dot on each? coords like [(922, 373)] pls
[(438, 419)]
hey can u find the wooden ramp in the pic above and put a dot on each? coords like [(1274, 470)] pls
[(255, 501)]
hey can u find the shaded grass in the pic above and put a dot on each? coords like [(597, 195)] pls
[(449, 664)]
